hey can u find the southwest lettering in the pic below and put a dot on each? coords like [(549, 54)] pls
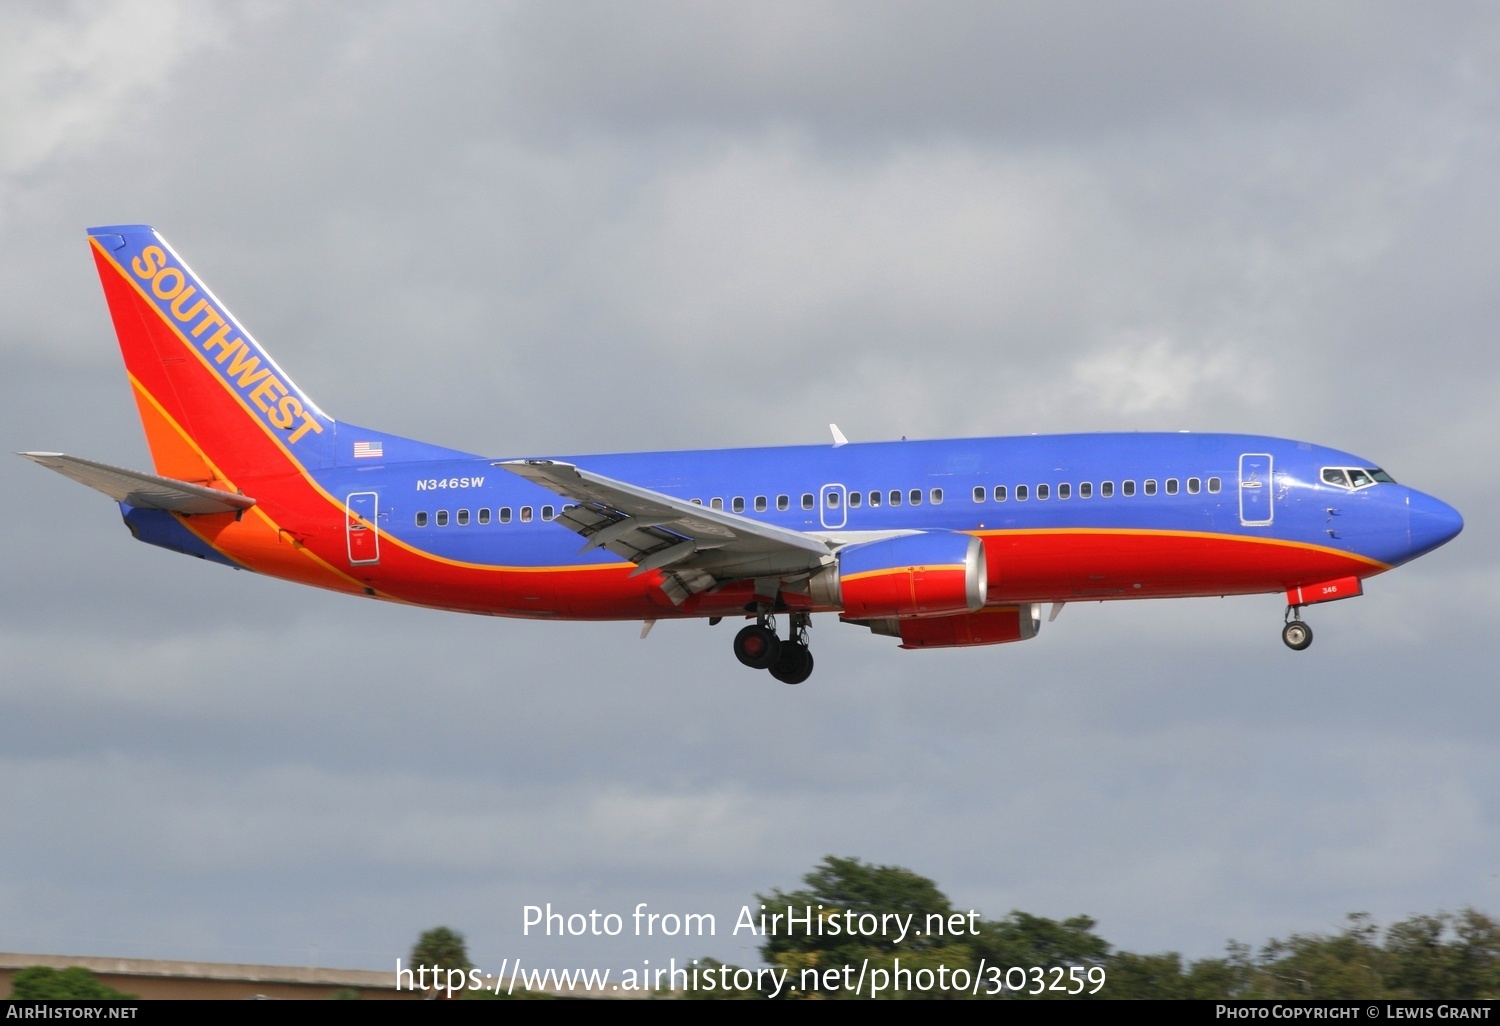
[(181, 301), (307, 424), (211, 317), (286, 411), (267, 393), (247, 366), (238, 360), (151, 260), (162, 292)]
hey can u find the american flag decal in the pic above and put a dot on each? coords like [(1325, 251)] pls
[(368, 450)]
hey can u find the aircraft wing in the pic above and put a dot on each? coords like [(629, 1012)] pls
[(695, 547), (144, 491)]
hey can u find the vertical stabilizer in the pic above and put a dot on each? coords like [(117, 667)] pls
[(215, 407)]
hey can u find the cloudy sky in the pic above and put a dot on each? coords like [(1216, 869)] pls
[(531, 227)]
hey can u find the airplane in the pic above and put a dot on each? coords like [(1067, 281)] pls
[(939, 544)]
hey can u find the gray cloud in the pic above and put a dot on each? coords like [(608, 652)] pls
[(542, 228)]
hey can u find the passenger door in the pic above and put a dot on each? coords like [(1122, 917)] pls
[(1255, 489)]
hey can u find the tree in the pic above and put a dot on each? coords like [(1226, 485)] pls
[(441, 948), (75, 983), (836, 895)]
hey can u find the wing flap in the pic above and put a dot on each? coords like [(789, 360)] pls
[(697, 547), (144, 491)]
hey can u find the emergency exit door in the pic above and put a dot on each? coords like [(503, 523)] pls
[(361, 528)]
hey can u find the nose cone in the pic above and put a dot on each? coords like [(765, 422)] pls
[(1432, 523)]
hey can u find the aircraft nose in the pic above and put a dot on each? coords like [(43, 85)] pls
[(1433, 522)]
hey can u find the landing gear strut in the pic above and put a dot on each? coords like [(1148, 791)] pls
[(1296, 634), (758, 647)]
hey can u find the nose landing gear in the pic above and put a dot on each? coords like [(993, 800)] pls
[(1296, 634), (789, 661)]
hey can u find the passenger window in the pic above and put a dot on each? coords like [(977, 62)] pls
[(914, 497), (738, 504), (696, 502), (760, 504), (895, 497), (1106, 489), (1085, 490), (1194, 486), (463, 518), (1214, 485), (716, 503), (547, 513), (505, 514), (979, 493), (525, 514), (831, 499), (807, 500), (421, 519), (854, 500), (1127, 488), (1064, 491), (1021, 493), (1043, 492), (484, 516), (1150, 487), (874, 498), (999, 493), (935, 496), (1171, 486), (442, 518), (783, 502)]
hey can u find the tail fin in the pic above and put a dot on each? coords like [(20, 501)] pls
[(216, 408)]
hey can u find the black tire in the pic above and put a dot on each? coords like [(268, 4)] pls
[(757, 647), (1297, 635), (794, 665)]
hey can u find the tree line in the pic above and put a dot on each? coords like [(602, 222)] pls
[(1445, 955)]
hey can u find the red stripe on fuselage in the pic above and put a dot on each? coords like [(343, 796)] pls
[(1071, 565)]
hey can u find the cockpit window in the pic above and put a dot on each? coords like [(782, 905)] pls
[(1355, 477)]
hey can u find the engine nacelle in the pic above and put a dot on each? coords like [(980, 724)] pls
[(935, 573)]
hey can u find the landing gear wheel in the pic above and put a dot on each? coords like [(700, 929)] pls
[(1297, 635), (757, 647), (794, 665)]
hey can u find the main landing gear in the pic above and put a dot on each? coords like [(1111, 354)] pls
[(758, 647), (1296, 634)]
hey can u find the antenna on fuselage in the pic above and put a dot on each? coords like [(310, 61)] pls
[(838, 436)]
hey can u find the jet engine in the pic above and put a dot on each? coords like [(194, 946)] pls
[(934, 573)]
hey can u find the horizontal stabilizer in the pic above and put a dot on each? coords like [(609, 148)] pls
[(144, 491)]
